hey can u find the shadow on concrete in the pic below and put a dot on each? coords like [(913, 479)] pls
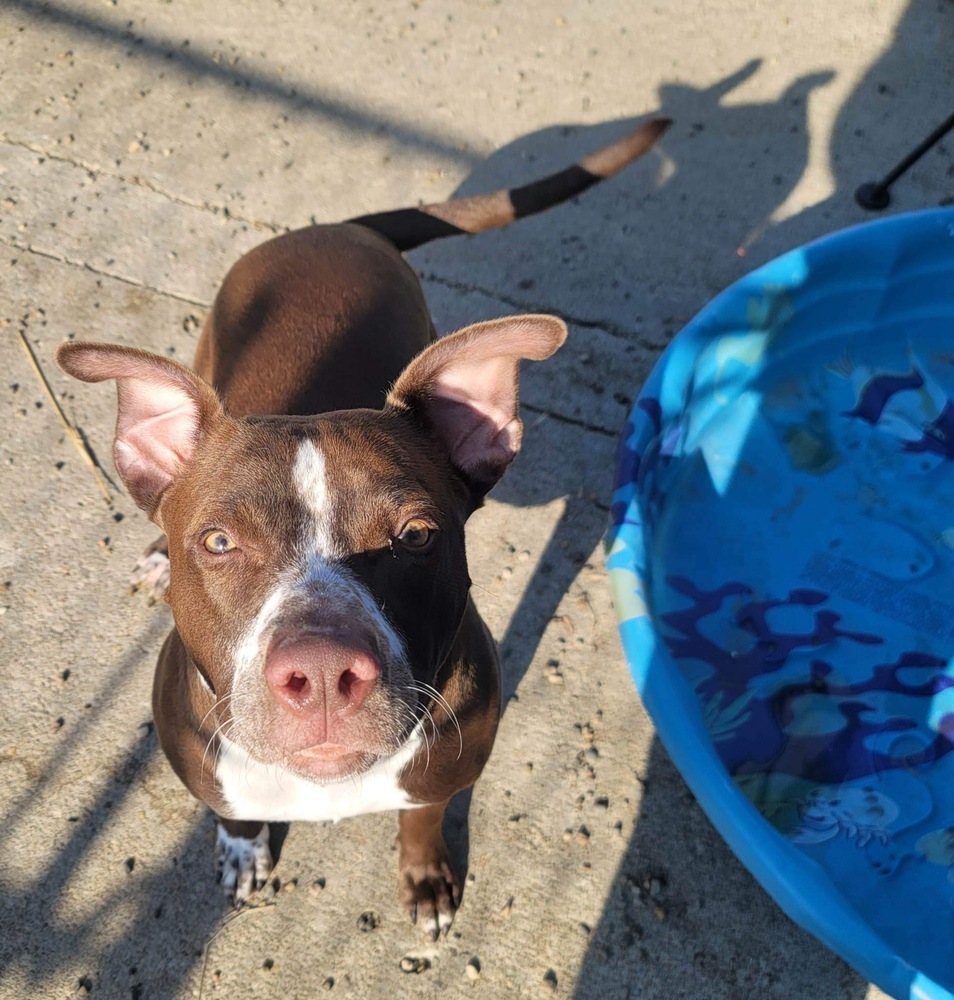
[(161, 943), (732, 167), (190, 60), (783, 123)]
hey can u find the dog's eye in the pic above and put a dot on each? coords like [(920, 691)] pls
[(218, 543), (415, 534)]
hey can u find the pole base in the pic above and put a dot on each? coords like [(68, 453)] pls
[(873, 197)]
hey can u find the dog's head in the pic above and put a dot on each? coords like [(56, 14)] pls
[(317, 567)]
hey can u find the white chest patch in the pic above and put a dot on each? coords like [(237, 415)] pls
[(270, 793)]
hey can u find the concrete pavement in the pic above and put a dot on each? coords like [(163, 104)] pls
[(143, 147)]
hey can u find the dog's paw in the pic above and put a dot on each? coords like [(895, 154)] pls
[(431, 894), (151, 574), (242, 865)]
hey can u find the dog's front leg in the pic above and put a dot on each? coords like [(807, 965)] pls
[(430, 889), (243, 858)]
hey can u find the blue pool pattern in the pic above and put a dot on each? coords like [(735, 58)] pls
[(781, 554)]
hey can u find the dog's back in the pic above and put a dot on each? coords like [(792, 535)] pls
[(304, 307), (308, 302)]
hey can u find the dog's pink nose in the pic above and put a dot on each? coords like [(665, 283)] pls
[(317, 674)]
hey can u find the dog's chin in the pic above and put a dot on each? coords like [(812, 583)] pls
[(329, 762)]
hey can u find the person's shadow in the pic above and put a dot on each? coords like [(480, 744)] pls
[(570, 252)]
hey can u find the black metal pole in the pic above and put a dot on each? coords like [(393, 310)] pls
[(876, 196)]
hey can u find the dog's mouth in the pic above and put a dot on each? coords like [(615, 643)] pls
[(330, 762), (326, 751)]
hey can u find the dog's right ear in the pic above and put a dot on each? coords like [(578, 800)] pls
[(164, 411)]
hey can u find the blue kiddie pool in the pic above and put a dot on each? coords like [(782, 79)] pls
[(782, 562)]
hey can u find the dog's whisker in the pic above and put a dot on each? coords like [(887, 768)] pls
[(219, 748), (219, 727), (428, 689), (429, 743), (216, 704)]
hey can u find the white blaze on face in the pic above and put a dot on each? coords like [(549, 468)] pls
[(310, 479)]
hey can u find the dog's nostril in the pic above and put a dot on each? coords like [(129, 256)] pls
[(296, 683), (347, 681)]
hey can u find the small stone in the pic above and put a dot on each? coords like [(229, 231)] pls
[(550, 981), (507, 907), (555, 679), (471, 878), (472, 969), (130, 864), (523, 555), (411, 964), (268, 964), (659, 913), (506, 573), (367, 921), (328, 984)]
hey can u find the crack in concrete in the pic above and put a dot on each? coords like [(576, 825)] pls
[(572, 421), (126, 280), (213, 208), (613, 329), (134, 180), (101, 272)]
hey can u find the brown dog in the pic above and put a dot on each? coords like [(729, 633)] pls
[(313, 478)]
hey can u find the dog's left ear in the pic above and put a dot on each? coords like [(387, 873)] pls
[(465, 389)]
